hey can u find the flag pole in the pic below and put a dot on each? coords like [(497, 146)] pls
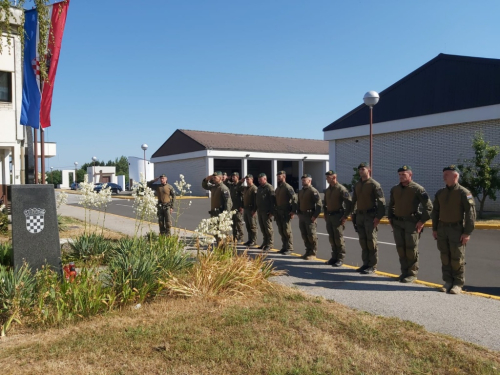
[(42, 139), (35, 135)]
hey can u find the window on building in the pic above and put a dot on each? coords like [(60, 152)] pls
[(5, 87)]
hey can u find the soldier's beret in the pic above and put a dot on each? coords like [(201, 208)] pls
[(235, 174), (224, 174), (330, 173), (363, 165), (306, 175), (451, 168), (163, 175), (404, 168), (218, 173), (262, 175), (280, 173), (249, 176)]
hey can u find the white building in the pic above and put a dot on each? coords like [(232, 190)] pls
[(12, 134), (197, 154), (426, 120), (136, 167), (101, 174)]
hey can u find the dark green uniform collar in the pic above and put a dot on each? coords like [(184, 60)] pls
[(454, 187)]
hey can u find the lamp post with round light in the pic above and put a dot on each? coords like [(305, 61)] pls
[(144, 148), (76, 172), (94, 158), (371, 98)]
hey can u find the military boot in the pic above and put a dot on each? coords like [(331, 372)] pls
[(446, 287), (330, 262), (456, 289), (408, 279), (362, 268)]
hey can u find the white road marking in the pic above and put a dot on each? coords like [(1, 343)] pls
[(124, 205), (355, 238)]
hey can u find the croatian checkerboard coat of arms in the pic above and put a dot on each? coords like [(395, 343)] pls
[(34, 219)]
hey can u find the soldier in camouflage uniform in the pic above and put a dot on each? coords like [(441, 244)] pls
[(337, 206), (309, 208), (286, 206), (166, 199), (407, 221), (265, 209), (249, 193), (453, 218), (220, 200), (237, 198), (369, 203)]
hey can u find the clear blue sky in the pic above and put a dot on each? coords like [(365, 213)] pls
[(132, 72)]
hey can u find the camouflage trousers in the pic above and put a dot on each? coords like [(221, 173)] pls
[(406, 238), (452, 252), (238, 226), (335, 232), (266, 226), (367, 239), (308, 233), (164, 220), (251, 224), (284, 223)]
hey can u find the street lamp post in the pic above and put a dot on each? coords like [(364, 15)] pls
[(94, 158), (144, 147), (76, 168), (371, 98), (52, 174)]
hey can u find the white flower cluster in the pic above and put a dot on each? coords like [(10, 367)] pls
[(144, 201), (220, 226), (61, 199), (182, 186), (2, 207), (92, 199)]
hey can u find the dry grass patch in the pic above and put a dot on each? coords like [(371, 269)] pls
[(281, 332), (70, 227)]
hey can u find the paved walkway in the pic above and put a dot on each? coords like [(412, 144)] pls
[(468, 317)]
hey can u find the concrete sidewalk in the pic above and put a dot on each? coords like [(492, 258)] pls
[(468, 317)]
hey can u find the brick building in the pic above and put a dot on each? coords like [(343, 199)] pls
[(426, 120)]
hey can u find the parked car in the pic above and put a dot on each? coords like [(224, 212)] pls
[(115, 188), (75, 186)]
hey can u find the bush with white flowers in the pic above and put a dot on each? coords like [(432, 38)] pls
[(183, 189), (145, 204), (220, 226)]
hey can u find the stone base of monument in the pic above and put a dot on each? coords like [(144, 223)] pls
[(35, 231)]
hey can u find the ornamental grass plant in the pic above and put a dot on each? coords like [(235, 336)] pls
[(6, 256), (89, 246)]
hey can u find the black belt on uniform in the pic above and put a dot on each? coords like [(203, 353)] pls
[(450, 224), (335, 212), (370, 211)]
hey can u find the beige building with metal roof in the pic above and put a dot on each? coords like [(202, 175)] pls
[(196, 154)]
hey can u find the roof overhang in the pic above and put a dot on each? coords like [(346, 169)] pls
[(241, 155), (490, 112)]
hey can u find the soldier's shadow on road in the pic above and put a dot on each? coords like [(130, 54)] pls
[(318, 274)]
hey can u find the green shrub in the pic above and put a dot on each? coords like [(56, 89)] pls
[(6, 256), (59, 301), (137, 267), (89, 246), (4, 223), (17, 294)]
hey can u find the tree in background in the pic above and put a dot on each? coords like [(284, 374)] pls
[(481, 175), (355, 178)]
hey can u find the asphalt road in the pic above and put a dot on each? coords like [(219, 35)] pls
[(482, 256)]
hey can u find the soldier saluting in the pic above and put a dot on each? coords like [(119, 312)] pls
[(369, 202), (220, 196), (166, 199), (407, 221), (249, 208), (453, 218), (337, 206), (309, 204), (286, 206), (237, 199)]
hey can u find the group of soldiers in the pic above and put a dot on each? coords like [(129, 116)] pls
[(452, 213)]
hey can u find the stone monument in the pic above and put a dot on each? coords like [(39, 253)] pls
[(35, 231)]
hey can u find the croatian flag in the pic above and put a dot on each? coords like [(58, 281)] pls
[(37, 101)]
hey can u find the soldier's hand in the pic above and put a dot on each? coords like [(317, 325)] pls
[(464, 238), (435, 234), (253, 213), (292, 215), (343, 220), (270, 216), (313, 219), (375, 222), (240, 209), (419, 226), (171, 210)]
